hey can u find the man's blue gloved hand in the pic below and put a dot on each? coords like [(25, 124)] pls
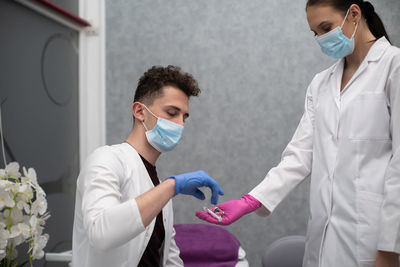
[(189, 183)]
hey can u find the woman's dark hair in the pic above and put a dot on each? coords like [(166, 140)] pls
[(150, 85), (374, 22)]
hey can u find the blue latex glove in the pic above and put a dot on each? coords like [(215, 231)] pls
[(189, 183)]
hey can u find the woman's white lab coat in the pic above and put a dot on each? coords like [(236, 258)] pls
[(349, 141), (108, 229)]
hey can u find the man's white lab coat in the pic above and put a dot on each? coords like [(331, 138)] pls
[(108, 229), (349, 141)]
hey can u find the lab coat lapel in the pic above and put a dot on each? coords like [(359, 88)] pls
[(336, 79), (359, 71), (375, 53)]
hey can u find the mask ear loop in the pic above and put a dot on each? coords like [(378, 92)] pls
[(345, 17), (355, 30), (150, 113), (144, 125)]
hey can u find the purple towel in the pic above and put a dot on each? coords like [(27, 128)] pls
[(206, 245)]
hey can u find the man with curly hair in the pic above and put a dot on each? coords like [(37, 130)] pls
[(123, 213)]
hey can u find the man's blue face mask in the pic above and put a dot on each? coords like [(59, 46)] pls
[(335, 43), (165, 135)]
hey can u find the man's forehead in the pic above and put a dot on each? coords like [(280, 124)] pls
[(179, 103), (173, 96)]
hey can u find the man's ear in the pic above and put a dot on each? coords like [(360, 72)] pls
[(138, 111)]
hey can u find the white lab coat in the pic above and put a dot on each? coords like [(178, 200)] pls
[(349, 141), (108, 229)]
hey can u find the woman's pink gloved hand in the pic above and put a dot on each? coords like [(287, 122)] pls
[(231, 210)]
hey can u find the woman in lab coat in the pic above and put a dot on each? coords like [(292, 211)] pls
[(348, 139)]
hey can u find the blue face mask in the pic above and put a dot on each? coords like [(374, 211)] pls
[(165, 135), (335, 43)]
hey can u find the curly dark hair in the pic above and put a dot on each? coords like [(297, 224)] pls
[(154, 79)]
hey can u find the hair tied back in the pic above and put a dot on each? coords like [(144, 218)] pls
[(368, 9)]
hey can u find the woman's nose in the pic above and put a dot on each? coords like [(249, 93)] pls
[(181, 120)]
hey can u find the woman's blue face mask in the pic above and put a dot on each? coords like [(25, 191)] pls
[(335, 43)]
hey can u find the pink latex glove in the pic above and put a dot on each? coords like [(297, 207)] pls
[(231, 210)]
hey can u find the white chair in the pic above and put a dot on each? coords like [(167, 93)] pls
[(285, 252), (65, 256)]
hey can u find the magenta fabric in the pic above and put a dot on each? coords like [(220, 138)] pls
[(204, 245)]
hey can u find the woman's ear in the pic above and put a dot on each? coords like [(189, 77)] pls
[(354, 14), (138, 111)]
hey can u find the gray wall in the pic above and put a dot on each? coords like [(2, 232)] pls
[(254, 61)]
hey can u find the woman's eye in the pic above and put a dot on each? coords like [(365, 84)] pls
[(327, 29), (171, 114)]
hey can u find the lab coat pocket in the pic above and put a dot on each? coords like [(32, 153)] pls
[(370, 119), (368, 209), (369, 263)]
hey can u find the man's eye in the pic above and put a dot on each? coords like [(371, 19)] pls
[(171, 114), (327, 29)]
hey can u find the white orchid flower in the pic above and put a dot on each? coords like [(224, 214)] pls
[(37, 230), (31, 174), (42, 220), (7, 186), (17, 216), (5, 215), (33, 221), (40, 192), (12, 169), (23, 205), (6, 200), (20, 219), (24, 188), (19, 233), (4, 236), (39, 242), (39, 223), (39, 206), (20, 229)]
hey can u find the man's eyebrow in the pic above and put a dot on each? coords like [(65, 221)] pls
[(178, 109)]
